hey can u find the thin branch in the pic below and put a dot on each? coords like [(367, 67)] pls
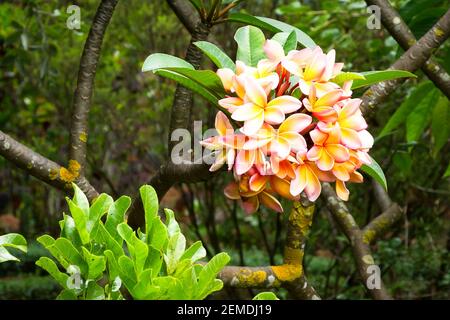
[(85, 82), (411, 60), (398, 29), (361, 251), (382, 223), (42, 168), (185, 13)]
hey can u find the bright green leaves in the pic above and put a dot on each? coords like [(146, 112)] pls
[(205, 83), (273, 26), (151, 265), (250, 42), (288, 40), (347, 76), (372, 77), (266, 296), (420, 117), (406, 108), (11, 240), (217, 56), (164, 61), (440, 126), (374, 170)]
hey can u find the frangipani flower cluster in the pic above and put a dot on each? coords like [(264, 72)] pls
[(296, 128)]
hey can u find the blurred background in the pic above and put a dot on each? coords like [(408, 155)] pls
[(39, 59)]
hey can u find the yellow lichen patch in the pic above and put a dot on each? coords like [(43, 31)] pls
[(251, 278), (71, 173), (53, 175), (293, 256), (74, 166), (438, 32), (287, 272), (368, 236), (83, 137), (368, 259), (301, 217)]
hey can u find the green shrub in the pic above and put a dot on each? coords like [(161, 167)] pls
[(105, 259)]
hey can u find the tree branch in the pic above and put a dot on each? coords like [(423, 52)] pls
[(382, 223), (398, 29), (411, 60), (85, 83), (42, 168), (290, 274), (361, 251)]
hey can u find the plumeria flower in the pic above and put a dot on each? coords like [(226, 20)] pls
[(230, 79), (305, 178), (251, 200), (281, 140), (319, 71), (293, 62), (258, 109), (225, 144), (327, 150), (349, 121), (322, 108)]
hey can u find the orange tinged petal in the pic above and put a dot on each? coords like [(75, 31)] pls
[(296, 123), (270, 202), (341, 190)]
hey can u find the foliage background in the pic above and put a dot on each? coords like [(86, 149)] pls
[(129, 119)]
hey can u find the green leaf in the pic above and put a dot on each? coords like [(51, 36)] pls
[(447, 172), (266, 296), (302, 37), (189, 84), (80, 199), (81, 218), (195, 252), (163, 61), (406, 108), (440, 124), (172, 224), (207, 276), (374, 170), (372, 77), (138, 249), (104, 238), (150, 202), (94, 292), (49, 243), (116, 215), (174, 251), (273, 26), (419, 118), (71, 254), (50, 266), (342, 77), (158, 236), (250, 42), (6, 256), (14, 240), (96, 264), (69, 230), (288, 40), (98, 209), (217, 56), (127, 272), (205, 78), (67, 294)]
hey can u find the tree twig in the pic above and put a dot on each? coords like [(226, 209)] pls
[(85, 82), (398, 29), (411, 60), (361, 251), (42, 168)]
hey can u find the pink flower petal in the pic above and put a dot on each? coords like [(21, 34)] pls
[(273, 115), (341, 190), (296, 123), (338, 152), (350, 138), (255, 92), (244, 161), (270, 202), (246, 112)]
